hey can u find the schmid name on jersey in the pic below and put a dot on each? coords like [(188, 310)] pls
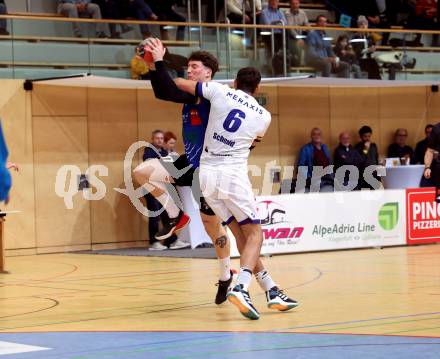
[(223, 140)]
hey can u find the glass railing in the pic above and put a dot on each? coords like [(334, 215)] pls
[(40, 47)]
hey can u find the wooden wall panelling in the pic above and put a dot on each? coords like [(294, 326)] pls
[(113, 129), (402, 107), (350, 109), (60, 141), (301, 109), (16, 118)]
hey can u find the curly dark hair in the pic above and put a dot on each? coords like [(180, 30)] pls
[(206, 59)]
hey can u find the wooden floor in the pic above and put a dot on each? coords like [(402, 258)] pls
[(393, 291)]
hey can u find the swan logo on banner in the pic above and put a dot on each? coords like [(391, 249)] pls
[(274, 222)]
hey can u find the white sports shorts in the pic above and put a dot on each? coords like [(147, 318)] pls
[(228, 192)]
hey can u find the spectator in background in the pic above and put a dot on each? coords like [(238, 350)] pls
[(113, 9), (423, 145), (3, 11), (378, 15), (364, 47), (139, 10), (170, 140), (424, 16), (346, 155), (320, 55), (399, 149), (272, 15), (369, 153), (82, 8), (212, 15), (296, 17), (235, 11), (432, 160), (345, 52), (153, 204), (165, 10), (315, 153)]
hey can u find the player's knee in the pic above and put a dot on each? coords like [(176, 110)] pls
[(213, 224), (142, 174)]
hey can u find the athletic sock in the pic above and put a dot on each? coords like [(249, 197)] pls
[(167, 202), (224, 268), (244, 278), (265, 280)]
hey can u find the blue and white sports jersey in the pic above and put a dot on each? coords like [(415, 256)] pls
[(195, 120), (235, 121)]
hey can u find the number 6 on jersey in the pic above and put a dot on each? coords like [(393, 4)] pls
[(233, 120)]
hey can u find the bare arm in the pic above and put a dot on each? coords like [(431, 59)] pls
[(429, 156), (188, 86)]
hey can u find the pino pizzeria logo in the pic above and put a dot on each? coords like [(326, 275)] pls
[(274, 224), (389, 215)]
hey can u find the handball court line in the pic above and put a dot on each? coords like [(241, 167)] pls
[(186, 305)]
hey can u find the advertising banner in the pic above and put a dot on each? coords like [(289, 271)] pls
[(423, 216), (330, 221)]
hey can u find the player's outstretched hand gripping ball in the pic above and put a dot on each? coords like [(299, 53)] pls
[(143, 51)]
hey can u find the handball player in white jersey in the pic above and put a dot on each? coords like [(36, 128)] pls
[(236, 122)]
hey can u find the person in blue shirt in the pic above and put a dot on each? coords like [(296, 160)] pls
[(320, 55), (315, 153), (272, 15), (5, 176)]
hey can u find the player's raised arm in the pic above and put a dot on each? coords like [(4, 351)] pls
[(163, 85), (188, 86)]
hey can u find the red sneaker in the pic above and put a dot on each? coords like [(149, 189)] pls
[(173, 226)]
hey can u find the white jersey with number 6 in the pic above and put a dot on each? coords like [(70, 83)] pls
[(235, 121)]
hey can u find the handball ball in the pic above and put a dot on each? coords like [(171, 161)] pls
[(142, 50)]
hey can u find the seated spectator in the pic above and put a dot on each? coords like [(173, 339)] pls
[(378, 13), (424, 16), (81, 8), (153, 204), (170, 140), (3, 11), (296, 17), (369, 153), (235, 11), (346, 155), (320, 55), (139, 10), (213, 14), (345, 52), (399, 149), (422, 146), (166, 12), (315, 153), (272, 15), (113, 9), (364, 47)]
